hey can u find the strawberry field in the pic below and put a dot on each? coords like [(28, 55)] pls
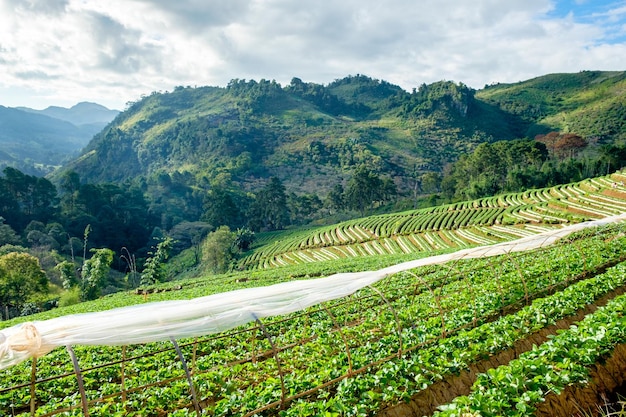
[(382, 350)]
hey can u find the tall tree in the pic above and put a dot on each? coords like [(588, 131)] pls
[(95, 272), (21, 277), (269, 210), (365, 188), (218, 249)]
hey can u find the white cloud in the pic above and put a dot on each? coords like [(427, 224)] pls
[(111, 52)]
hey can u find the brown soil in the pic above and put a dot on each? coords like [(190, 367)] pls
[(425, 402), (605, 378)]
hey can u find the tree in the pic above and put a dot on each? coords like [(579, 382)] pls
[(153, 267), (220, 208), (269, 210), (366, 188), (303, 208), (335, 198), (218, 249), (189, 235), (7, 234), (244, 238), (67, 271), (21, 277), (430, 181), (569, 145), (94, 273)]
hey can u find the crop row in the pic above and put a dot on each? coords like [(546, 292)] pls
[(516, 389), (549, 206), (315, 356)]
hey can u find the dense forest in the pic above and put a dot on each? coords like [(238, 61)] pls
[(209, 167)]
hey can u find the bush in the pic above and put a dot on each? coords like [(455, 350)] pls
[(70, 297)]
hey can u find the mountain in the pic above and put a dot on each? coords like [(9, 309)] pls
[(589, 103), (308, 135), (84, 113), (37, 141), (178, 145)]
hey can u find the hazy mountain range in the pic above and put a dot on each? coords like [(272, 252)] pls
[(37, 141)]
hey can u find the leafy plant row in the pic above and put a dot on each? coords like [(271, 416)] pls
[(399, 244), (549, 206), (515, 389), (323, 351), (399, 380)]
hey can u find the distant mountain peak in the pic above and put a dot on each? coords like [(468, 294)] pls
[(83, 113)]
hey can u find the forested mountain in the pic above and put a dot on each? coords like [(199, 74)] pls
[(589, 103), (185, 144), (308, 135), (37, 141)]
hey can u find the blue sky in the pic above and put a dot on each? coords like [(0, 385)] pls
[(60, 52), (610, 15)]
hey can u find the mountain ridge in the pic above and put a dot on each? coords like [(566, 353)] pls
[(300, 128), (82, 113)]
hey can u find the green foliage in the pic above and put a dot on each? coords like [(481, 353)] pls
[(522, 164), (402, 336), (67, 272), (94, 273), (70, 297), (7, 234), (21, 277), (218, 249), (206, 153), (244, 238), (24, 198), (365, 188), (587, 103), (269, 210), (153, 270)]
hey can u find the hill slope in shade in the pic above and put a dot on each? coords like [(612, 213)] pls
[(589, 103)]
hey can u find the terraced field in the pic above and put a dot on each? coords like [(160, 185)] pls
[(479, 222)]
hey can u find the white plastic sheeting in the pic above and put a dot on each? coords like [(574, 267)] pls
[(216, 313)]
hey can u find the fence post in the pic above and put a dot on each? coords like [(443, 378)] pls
[(194, 397), (79, 379), (33, 393)]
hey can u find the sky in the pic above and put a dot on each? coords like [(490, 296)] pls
[(112, 52)]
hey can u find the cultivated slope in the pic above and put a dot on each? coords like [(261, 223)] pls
[(478, 222)]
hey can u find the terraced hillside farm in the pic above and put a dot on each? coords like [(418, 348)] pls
[(539, 331), (448, 227)]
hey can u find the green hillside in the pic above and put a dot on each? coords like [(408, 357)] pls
[(453, 226), (309, 136), (257, 156), (314, 137), (589, 103)]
